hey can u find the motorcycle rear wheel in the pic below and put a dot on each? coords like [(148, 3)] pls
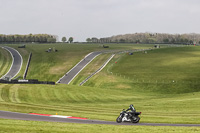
[(136, 120)]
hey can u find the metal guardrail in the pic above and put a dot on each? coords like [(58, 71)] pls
[(27, 66)]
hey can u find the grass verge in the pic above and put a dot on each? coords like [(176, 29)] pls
[(21, 126)]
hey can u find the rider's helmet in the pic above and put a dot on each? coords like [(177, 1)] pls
[(131, 106)]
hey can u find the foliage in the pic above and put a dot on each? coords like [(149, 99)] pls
[(88, 40), (70, 40), (151, 38), (51, 40), (95, 40), (64, 39), (39, 38)]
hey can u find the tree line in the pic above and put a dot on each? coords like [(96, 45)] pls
[(38, 38), (70, 40), (191, 38)]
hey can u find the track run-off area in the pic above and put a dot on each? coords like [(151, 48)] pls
[(66, 79)]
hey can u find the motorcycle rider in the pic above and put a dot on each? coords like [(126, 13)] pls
[(132, 111)]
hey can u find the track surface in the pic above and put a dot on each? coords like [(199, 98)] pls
[(16, 65), (22, 116), (69, 76)]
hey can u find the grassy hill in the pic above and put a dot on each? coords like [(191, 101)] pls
[(53, 65), (168, 70), (163, 84)]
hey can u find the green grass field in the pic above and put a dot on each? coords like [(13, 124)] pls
[(13, 126), (163, 84), (168, 68)]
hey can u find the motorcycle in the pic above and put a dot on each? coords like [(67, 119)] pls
[(125, 117)]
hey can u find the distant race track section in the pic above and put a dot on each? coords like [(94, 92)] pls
[(16, 63), (70, 75)]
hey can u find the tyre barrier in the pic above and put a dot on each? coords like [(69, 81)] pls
[(30, 81)]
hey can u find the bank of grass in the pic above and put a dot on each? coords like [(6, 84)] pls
[(21, 126), (100, 103), (169, 64), (5, 61), (52, 66), (169, 70)]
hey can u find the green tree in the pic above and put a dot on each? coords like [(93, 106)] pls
[(64, 39), (166, 40), (70, 40), (1, 38), (191, 42), (173, 41), (186, 40), (151, 40), (122, 40), (137, 41), (88, 40), (51, 40), (95, 40)]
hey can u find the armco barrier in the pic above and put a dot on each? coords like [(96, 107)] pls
[(31, 81), (27, 66)]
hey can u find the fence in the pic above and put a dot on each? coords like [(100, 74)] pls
[(155, 81)]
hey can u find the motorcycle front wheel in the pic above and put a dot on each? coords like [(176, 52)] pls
[(119, 119)]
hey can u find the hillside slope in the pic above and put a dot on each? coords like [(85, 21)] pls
[(104, 95)]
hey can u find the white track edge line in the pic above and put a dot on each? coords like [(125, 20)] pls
[(12, 62), (21, 61), (83, 67), (74, 67), (99, 69)]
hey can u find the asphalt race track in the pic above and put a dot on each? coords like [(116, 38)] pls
[(16, 65), (23, 116), (69, 76)]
